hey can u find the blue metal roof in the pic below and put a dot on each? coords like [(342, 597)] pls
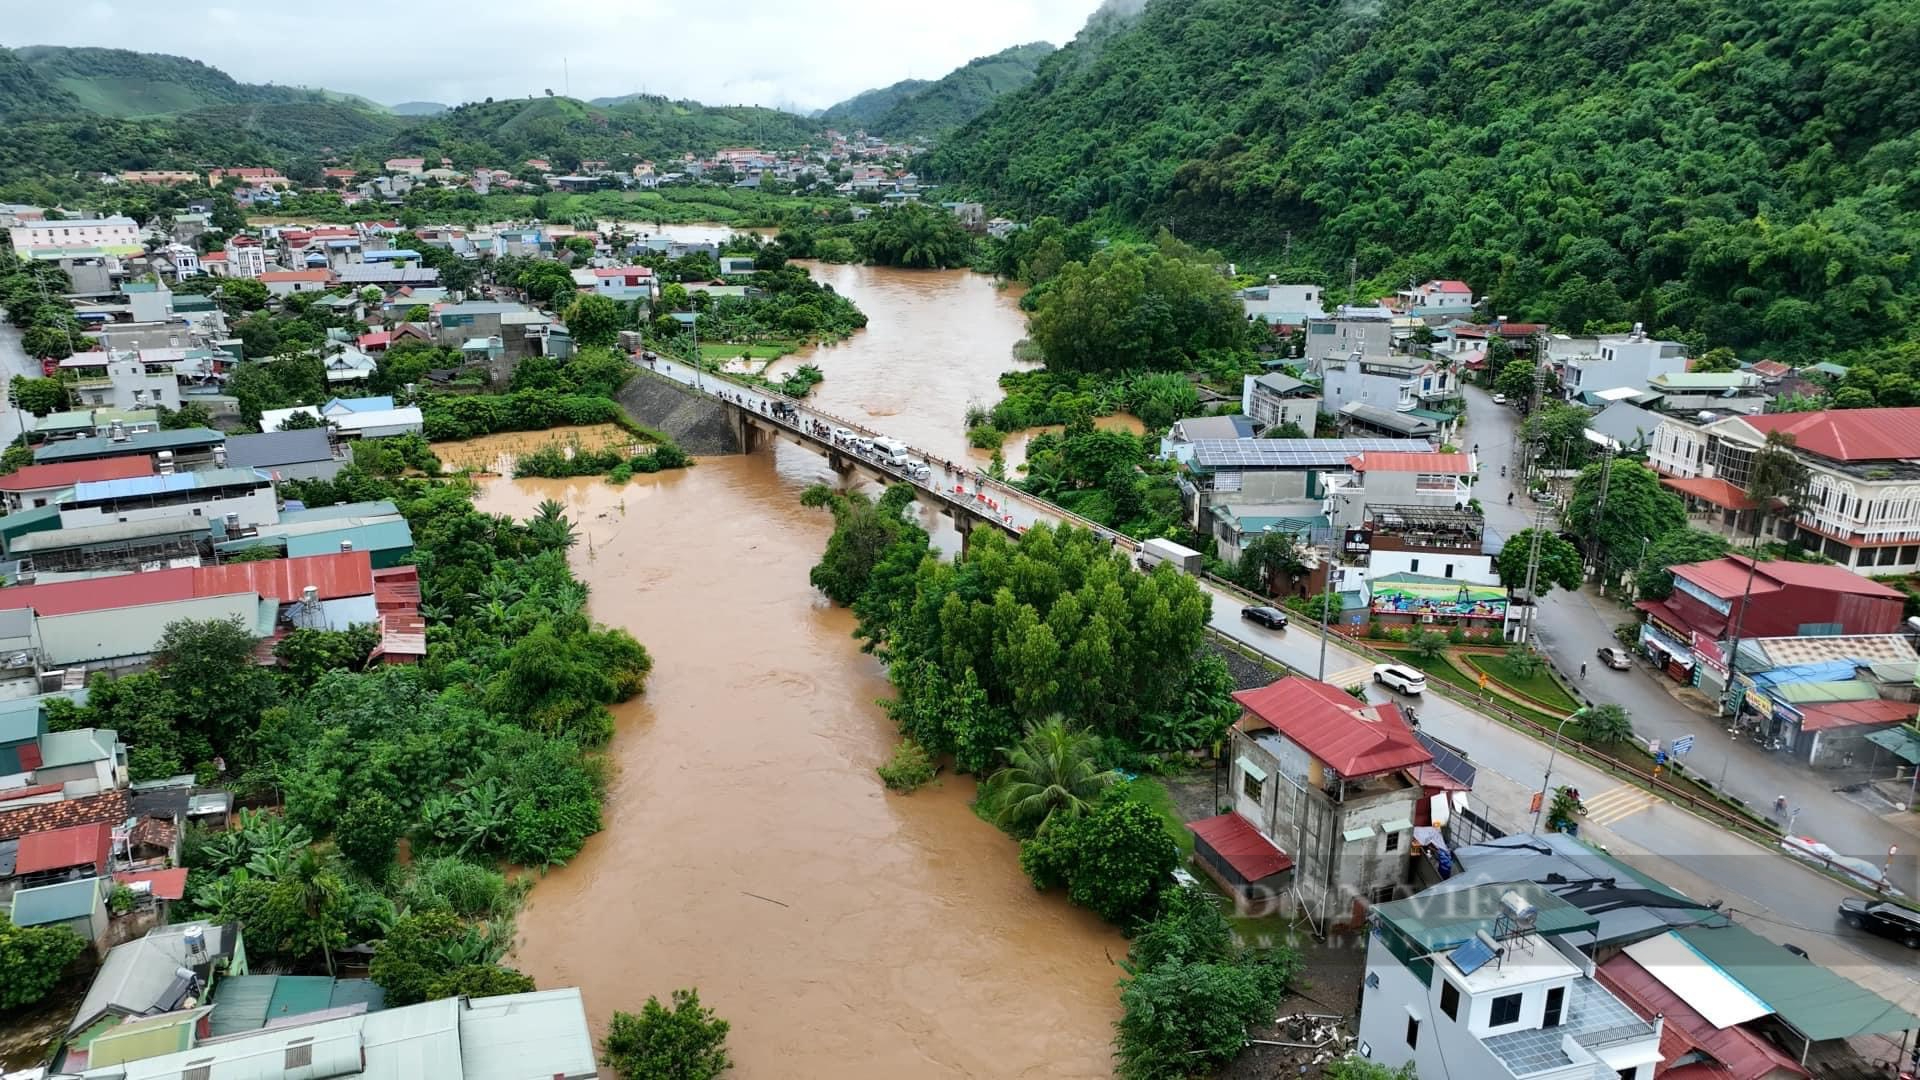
[(362, 404), (91, 490), (391, 253)]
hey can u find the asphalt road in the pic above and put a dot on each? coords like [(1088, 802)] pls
[(13, 361), (1573, 626), (1772, 895)]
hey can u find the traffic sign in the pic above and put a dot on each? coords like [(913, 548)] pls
[(1682, 744)]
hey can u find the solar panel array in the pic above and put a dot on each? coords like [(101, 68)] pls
[(1471, 956), (1280, 453)]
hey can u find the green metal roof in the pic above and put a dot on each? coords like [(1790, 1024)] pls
[(297, 995), (79, 747), (380, 536), (71, 420), (149, 1036), (1816, 1002), (1828, 367), (1813, 693), (56, 903), (142, 442), (242, 1001), (1903, 741), (357, 992), (1439, 921), (376, 508)]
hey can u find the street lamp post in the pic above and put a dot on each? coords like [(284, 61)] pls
[(1546, 782)]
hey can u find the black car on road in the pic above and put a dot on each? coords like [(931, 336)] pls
[(1888, 920), (1271, 618)]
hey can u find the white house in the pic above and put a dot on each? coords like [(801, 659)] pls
[(1275, 398), (1448, 297), (205, 493), (118, 235), (1396, 478), (1485, 983), (367, 418), (1622, 360), (288, 282), (121, 381), (1282, 305), (1385, 381)]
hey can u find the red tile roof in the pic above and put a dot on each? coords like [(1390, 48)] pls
[(1848, 434), (1508, 329), (1448, 285), (59, 849), (166, 884), (1251, 855), (67, 473), (1770, 369), (1711, 488), (1727, 578), (403, 632), (1836, 714), (376, 339), (1745, 1055), (1399, 461), (336, 575), (1353, 739)]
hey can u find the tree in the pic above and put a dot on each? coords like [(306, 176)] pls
[(207, 669), (1428, 645), (1115, 861), (1654, 581), (917, 236), (481, 980), (33, 960), (1607, 724), (1050, 777), (1286, 429), (47, 342), (243, 294), (1777, 478), (1559, 563), (1560, 432), (686, 1042), (1721, 359), (38, 396), (1515, 379), (1637, 507), (593, 320), (1524, 661), (1268, 560), (1566, 806), (1359, 1068), (864, 534), (368, 833), (1129, 308), (421, 949), (191, 414)]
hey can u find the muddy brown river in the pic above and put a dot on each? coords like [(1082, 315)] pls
[(749, 849)]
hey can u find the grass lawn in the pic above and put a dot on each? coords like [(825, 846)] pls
[(1540, 688), (771, 350), (1444, 670), (1153, 795)]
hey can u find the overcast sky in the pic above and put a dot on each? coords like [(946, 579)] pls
[(796, 53)]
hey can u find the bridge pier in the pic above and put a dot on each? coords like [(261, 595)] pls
[(839, 462), (964, 522)]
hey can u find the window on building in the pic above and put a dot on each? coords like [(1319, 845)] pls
[(1413, 1031), (1450, 1000), (1251, 786), (1629, 1074), (301, 1056), (1506, 1010), (1556, 1004), (1413, 566), (1449, 572), (1393, 841)]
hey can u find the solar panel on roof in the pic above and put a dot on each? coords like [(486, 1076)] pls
[(1471, 956)]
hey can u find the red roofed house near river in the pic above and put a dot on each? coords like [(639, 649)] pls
[(1323, 802)]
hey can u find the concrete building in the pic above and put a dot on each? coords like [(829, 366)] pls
[(1391, 383), (353, 418), (1350, 333), (1423, 479), (1435, 298), (246, 257), (79, 906), (1863, 504), (288, 282), (1623, 427), (40, 485), (305, 454), (121, 381), (1485, 982), (1282, 305), (1688, 392), (622, 283), (1250, 473), (1429, 568), (116, 235), (1632, 359), (1276, 398), (1321, 779), (236, 496)]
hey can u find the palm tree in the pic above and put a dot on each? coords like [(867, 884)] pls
[(1049, 773), (549, 526), (1607, 724), (1524, 661)]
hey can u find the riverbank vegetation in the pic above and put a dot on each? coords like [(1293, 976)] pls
[(685, 1042), (916, 236)]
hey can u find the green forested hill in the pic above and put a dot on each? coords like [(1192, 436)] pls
[(118, 82), (865, 110), (503, 133), (914, 107), (24, 93), (1747, 172)]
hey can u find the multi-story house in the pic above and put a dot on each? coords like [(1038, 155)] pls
[(1621, 360), (246, 257), (1489, 983), (1323, 803), (1349, 333), (117, 235), (1425, 479), (121, 381), (1435, 298), (1268, 472), (1274, 399), (1282, 305), (243, 496), (1388, 382), (1862, 506)]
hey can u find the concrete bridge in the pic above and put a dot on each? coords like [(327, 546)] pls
[(961, 493)]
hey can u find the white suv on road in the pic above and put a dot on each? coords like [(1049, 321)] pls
[(1404, 679)]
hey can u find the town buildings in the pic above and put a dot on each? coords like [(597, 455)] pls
[(116, 235), (1276, 399), (1617, 360), (1862, 506), (1282, 306)]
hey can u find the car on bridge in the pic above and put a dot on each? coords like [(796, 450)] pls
[(1269, 617)]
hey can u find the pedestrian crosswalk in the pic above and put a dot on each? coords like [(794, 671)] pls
[(1618, 804), (1359, 675)]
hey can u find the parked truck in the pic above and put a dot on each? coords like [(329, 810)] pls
[(1155, 552)]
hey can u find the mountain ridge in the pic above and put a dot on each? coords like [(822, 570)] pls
[(916, 107)]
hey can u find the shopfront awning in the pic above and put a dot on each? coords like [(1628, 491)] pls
[(1904, 742)]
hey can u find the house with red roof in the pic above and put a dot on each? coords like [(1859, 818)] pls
[(1692, 1047), (1442, 297), (288, 282), (1862, 506), (38, 485), (1393, 478), (74, 851), (1324, 802)]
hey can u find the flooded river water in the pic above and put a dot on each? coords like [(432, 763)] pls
[(749, 849)]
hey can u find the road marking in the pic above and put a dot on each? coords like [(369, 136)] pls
[(1353, 676), (1618, 804)]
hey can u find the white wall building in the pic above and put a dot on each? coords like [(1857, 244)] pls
[(1284, 305), (117, 234), (1623, 360), (1391, 382), (1276, 398), (206, 493), (1390, 478), (1483, 983)]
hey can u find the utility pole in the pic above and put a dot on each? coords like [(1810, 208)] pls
[(1540, 523), (1599, 508)]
